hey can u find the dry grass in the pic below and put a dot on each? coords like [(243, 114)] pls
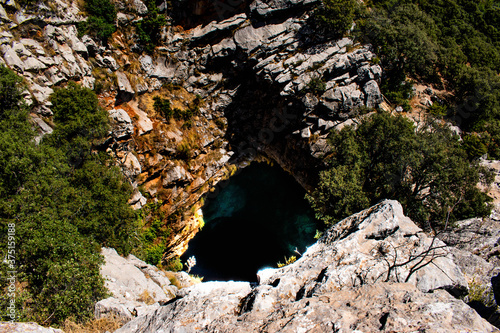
[(110, 323)]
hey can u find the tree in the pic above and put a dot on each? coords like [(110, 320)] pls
[(149, 28), (336, 16), (387, 158), (63, 212), (101, 20)]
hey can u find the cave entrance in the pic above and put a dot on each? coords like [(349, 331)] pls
[(256, 220)]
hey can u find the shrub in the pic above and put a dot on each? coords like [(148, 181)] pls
[(174, 265), (101, 20), (154, 254), (163, 107), (316, 86), (385, 158), (336, 16), (63, 211), (149, 28)]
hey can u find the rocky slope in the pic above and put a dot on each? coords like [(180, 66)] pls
[(374, 271), (136, 287), (264, 81)]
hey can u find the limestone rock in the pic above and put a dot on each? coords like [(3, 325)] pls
[(373, 94), (3, 14), (12, 59), (26, 328), (33, 64), (122, 126), (124, 19), (268, 8), (107, 62), (91, 46), (204, 307), (136, 286), (137, 200), (216, 27), (132, 166), (125, 90), (140, 7), (174, 175), (349, 281)]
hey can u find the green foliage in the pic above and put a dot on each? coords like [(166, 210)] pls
[(162, 106), (316, 86), (101, 20), (456, 42), (426, 170), (474, 147), (11, 87), (336, 16), (154, 253), (438, 110), (149, 28), (174, 265), (63, 211)]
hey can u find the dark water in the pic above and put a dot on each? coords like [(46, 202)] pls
[(257, 219)]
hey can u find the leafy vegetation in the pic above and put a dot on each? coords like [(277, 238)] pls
[(426, 170), (66, 201), (335, 17), (148, 30), (101, 19), (453, 44)]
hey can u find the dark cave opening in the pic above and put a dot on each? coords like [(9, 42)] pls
[(255, 221)]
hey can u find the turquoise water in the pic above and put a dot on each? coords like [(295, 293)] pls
[(256, 220)]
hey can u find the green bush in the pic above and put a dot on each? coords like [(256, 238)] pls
[(336, 16), (148, 30), (63, 211), (101, 19), (154, 253), (174, 265), (162, 106), (385, 158)]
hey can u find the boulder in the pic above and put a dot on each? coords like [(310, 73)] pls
[(26, 328), (132, 166), (137, 287), (139, 7), (3, 15), (122, 124), (12, 59), (374, 271), (124, 19), (373, 94), (125, 90)]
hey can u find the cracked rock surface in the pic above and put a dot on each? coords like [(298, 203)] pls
[(374, 271)]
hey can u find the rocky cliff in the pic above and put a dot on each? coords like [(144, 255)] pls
[(265, 83), (373, 271)]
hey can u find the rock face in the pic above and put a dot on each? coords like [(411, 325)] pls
[(374, 271), (6, 327), (137, 287), (264, 81)]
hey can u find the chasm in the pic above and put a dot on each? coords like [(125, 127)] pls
[(258, 217)]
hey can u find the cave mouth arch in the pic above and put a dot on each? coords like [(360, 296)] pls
[(256, 220)]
